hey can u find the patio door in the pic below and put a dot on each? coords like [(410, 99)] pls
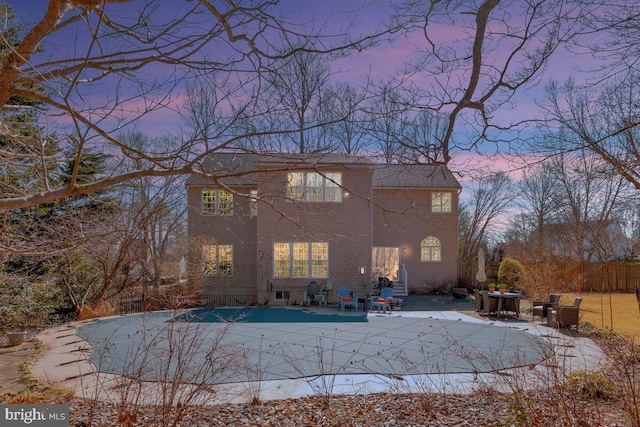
[(385, 262)]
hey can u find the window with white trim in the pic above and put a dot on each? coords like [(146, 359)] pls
[(217, 202), (217, 260), (301, 259), (253, 208), (430, 249), (441, 202), (333, 187), (315, 187)]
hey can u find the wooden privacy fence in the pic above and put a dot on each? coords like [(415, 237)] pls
[(611, 276)]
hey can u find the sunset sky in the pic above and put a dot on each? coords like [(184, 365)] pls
[(381, 62)]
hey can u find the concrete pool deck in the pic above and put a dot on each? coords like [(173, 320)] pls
[(424, 351)]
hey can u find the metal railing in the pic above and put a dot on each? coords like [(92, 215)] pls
[(226, 300), (129, 305), (403, 278)]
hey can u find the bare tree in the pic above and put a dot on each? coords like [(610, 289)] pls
[(203, 112), (472, 58), (129, 60), (389, 115), (573, 209), (154, 214), (604, 120), (136, 243), (348, 131), (600, 111), (527, 236), (612, 35), (296, 93), (143, 72), (539, 195), (590, 192), (424, 136), (630, 221), (480, 216), (160, 215)]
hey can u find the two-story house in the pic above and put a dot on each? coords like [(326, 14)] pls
[(266, 225), (591, 241)]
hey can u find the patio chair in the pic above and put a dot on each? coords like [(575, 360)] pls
[(511, 304), (382, 301), (565, 316), (314, 296), (489, 305), (542, 308), (346, 298), (478, 299)]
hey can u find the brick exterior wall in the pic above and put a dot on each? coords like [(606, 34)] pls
[(368, 216)]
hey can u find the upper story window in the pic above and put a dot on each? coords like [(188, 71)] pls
[(253, 208), (301, 259), (217, 260), (217, 202), (430, 249), (441, 202), (315, 187)]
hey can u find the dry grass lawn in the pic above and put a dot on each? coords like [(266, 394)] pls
[(597, 309)]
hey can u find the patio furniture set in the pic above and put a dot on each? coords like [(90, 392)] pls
[(381, 300), (498, 303), (487, 303), (556, 314)]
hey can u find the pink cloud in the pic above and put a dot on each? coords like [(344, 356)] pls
[(469, 166)]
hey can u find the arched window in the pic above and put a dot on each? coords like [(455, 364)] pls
[(430, 249)]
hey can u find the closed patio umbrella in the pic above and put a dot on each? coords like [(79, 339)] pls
[(481, 275)]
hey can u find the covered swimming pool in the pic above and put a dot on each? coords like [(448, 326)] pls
[(267, 315), (152, 348)]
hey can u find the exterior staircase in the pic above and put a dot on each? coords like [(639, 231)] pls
[(400, 287)]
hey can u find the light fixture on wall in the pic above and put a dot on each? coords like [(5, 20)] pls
[(404, 250), (362, 271)]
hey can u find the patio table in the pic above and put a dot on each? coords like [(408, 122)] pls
[(515, 296)]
